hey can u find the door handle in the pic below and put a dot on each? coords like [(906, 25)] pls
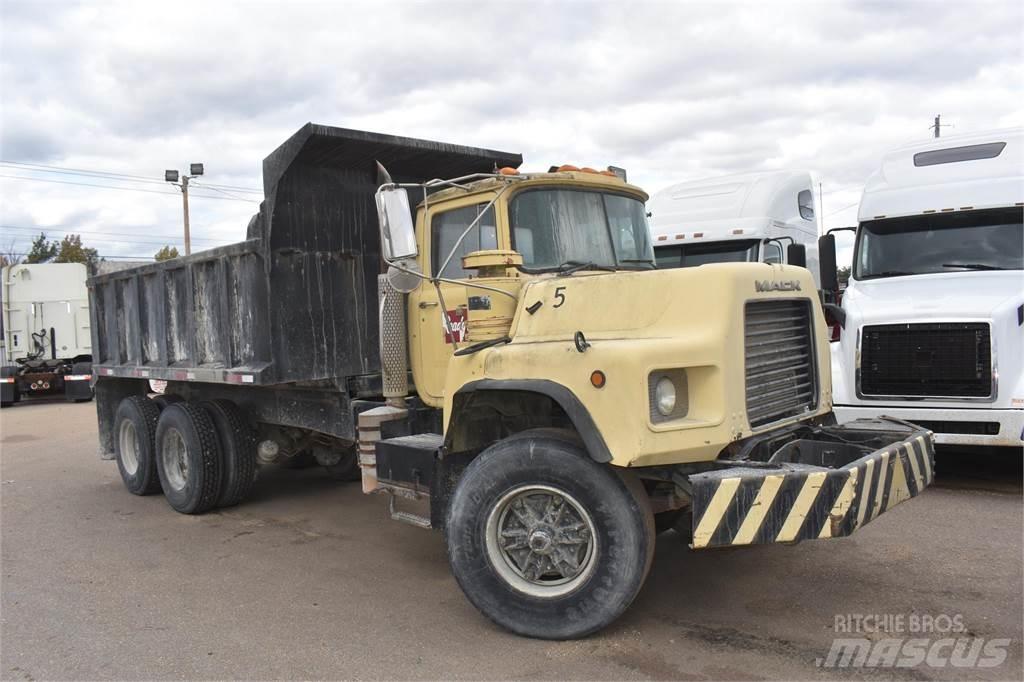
[(428, 304)]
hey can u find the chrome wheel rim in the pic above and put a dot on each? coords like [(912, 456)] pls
[(128, 443), (541, 541), (174, 457)]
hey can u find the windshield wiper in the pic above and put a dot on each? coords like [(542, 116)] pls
[(571, 266), (972, 266)]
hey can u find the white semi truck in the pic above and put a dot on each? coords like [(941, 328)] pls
[(750, 217), (932, 322), (46, 332)]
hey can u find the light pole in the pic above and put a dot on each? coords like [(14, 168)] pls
[(171, 176)]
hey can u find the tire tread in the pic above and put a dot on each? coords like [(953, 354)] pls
[(238, 447)]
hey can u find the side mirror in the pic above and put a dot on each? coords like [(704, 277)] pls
[(397, 233), (827, 262), (796, 254)]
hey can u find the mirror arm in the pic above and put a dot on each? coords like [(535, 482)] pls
[(461, 282)]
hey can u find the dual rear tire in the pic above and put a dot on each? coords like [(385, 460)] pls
[(201, 455)]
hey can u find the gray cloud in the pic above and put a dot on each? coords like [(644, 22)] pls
[(672, 91)]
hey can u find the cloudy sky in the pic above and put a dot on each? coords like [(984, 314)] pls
[(671, 91)]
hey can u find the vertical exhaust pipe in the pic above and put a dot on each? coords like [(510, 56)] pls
[(394, 349), (394, 371)]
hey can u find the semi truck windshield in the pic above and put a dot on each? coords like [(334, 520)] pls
[(553, 228), (954, 242), (690, 255)]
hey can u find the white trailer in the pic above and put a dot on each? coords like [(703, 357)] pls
[(933, 315), (752, 217), (46, 332)]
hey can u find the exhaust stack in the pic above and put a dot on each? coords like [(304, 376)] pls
[(394, 371)]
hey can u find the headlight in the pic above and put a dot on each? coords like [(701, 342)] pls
[(665, 396), (668, 395)]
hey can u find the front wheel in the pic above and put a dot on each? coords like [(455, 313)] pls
[(546, 542)]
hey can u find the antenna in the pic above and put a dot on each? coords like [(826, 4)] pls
[(935, 126)]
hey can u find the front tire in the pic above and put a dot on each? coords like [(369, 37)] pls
[(188, 458), (546, 542)]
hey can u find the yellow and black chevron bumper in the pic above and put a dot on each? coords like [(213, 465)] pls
[(747, 506)]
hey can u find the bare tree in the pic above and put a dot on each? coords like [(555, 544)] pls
[(10, 255)]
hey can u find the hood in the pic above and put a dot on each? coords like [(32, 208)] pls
[(945, 295), (707, 300)]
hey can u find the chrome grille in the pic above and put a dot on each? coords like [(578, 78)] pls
[(779, 355)]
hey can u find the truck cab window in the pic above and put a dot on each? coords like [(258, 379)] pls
[(691, 255), (553, 227), (805, 203), (447, 227), (669, 256), (967, 241)]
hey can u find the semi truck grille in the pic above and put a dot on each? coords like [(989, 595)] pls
[(936, 359), (779, 354)]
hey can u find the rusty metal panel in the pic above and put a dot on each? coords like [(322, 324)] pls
[(209, 313), (176, 305), (151, 316), (247, 316)]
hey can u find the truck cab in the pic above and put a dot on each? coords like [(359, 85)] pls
[(935, 301), (748, 217), (46, 348)]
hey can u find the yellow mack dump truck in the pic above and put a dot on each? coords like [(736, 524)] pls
[(504, 351)]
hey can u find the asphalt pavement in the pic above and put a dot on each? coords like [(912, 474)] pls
[(310, 579)]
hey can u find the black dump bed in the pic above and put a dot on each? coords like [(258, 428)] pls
[(295, 301)]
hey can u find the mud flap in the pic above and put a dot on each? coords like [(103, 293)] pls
[(790, 502)]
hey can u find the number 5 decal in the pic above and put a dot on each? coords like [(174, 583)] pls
[(560, 296)]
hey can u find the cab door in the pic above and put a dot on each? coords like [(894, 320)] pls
[(429, 335)]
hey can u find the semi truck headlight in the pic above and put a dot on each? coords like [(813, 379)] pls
[(665, 396), (668, 395)]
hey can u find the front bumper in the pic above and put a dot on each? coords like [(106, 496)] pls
[(950, 424), (825, 486)]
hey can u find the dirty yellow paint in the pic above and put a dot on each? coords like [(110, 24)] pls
[(842, 505), (758, 509), (862, 507), (798, 512), (883, 468), (720, 502)]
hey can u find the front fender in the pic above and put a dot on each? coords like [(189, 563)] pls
[(561, 395)]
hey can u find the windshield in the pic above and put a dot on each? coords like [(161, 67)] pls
[(555, 227), (689, 255), (953, 242)]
